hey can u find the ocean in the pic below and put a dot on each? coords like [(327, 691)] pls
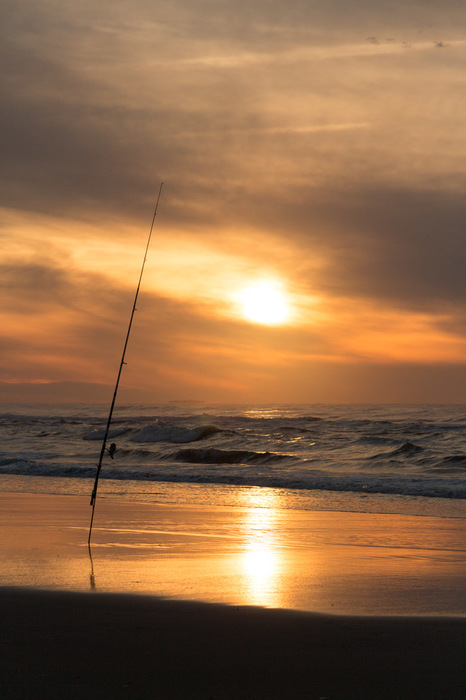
[(408, 459)]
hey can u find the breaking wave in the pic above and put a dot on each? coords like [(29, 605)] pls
[(412, 452), (100, 434), (241, 473), (408, 449), (164, 432), (213, 456)]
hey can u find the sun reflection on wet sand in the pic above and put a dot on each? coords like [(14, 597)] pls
[(262, 561), (255, 553)]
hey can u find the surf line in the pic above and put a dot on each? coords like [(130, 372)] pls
[(112, 447)]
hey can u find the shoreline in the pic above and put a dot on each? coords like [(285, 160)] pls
[(184, 493), (58, 644), (323, 562), (299, 605)]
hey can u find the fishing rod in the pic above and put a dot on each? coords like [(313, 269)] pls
[(112, 448)]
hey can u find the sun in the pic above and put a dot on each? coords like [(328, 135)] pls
[(263, 302)]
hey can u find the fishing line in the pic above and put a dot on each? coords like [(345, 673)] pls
[(122, 362)]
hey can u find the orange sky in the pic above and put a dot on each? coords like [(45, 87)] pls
[(315, 149)]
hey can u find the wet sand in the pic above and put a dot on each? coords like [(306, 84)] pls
[(394, 585), (330, 562)]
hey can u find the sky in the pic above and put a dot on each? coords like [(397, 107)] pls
[(313, 150)]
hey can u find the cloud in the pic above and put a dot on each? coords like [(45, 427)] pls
[(290, 146), (402, 247), (98, 108)]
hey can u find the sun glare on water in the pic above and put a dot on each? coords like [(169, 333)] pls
[(263, 302)]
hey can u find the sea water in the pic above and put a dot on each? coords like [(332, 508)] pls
[(407, 459)]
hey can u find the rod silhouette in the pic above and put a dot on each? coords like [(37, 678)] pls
[(122, 362)]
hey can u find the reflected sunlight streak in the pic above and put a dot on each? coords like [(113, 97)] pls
[(262, 563)]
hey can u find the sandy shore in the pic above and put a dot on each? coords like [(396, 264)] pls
[(61, 645), (330, 562), (394, 585)]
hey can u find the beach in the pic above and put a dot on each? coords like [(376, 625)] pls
[(75, 645), (215, 602)]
